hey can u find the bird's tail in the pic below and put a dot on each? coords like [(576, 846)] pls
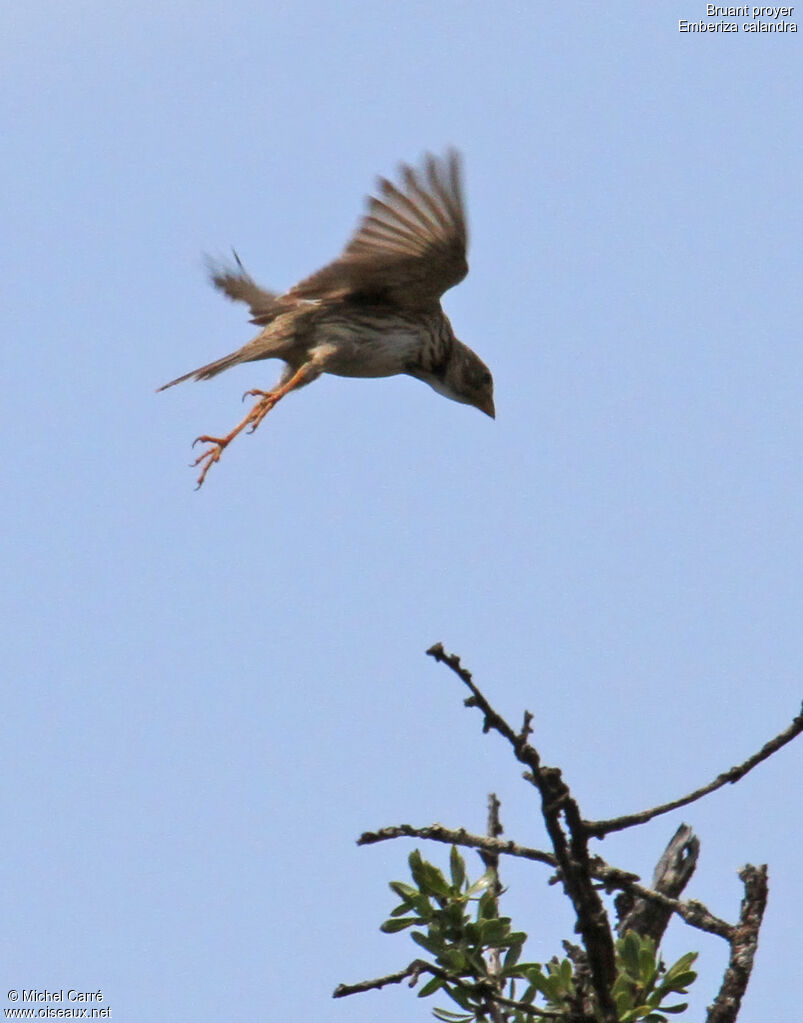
[(238, 285), (210, 370)]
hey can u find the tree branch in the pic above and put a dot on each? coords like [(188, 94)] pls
[(744, 942), (419, 966), (571, 853), (414, 971), (601, 828), (645, 910), (491, 861), (459, 836), (672, 873), (694, 913)]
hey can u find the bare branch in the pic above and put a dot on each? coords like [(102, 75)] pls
[(672, 873), (726, 1005), (571, 853), (694, 913), (413, 971), (419, 966), (601, 828), (459, 836), (491, 861)]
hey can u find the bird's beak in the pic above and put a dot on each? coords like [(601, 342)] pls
[(487, 406)]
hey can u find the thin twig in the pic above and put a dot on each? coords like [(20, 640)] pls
[(419, 966), (694, 913), (601, 828), (414, 970), (459, 836)]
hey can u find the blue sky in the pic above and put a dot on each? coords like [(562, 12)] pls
[(209, 695)]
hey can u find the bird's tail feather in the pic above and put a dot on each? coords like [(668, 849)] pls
[(240, 286), (205, 372), (237, 283)]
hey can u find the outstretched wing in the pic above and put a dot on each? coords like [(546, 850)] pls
[(410, 245)]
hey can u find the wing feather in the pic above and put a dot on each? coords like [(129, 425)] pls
[(410, 245)]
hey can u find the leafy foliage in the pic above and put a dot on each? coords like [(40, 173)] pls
[(476, 957)]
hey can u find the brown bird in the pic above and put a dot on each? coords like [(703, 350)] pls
[(373, 312)]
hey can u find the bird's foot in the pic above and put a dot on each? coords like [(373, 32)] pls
[(208, 458), (212, 454), (261, 409)]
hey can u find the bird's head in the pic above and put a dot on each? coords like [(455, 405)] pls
[(467, 379)]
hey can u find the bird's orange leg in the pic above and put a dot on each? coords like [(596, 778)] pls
[(267, 400)]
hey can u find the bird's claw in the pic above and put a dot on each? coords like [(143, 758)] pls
[(203, 439), (256, 393), (208, 458)]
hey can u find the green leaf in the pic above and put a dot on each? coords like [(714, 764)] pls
[(647, 966), (415, 861), (679, 983), (392, 926), (404, 891), (493, 931), (512, 957), (551, 988), (622, 983), (480, 884), (629, 954), (682, 964), (459, 996), (423, 907), (529, 994), (455, 913), (624, 1003), (432, 985), (436, 882), (453, 959), (401, 910), (457, 868), (435, 946), (487, 908), (478, 965), (641, 1012), (539, 980), (428, 878), (526, 968), (451, 1017), (675, 1008), (421, 871)]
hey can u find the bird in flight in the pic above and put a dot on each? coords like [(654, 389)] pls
[(373, 312)]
